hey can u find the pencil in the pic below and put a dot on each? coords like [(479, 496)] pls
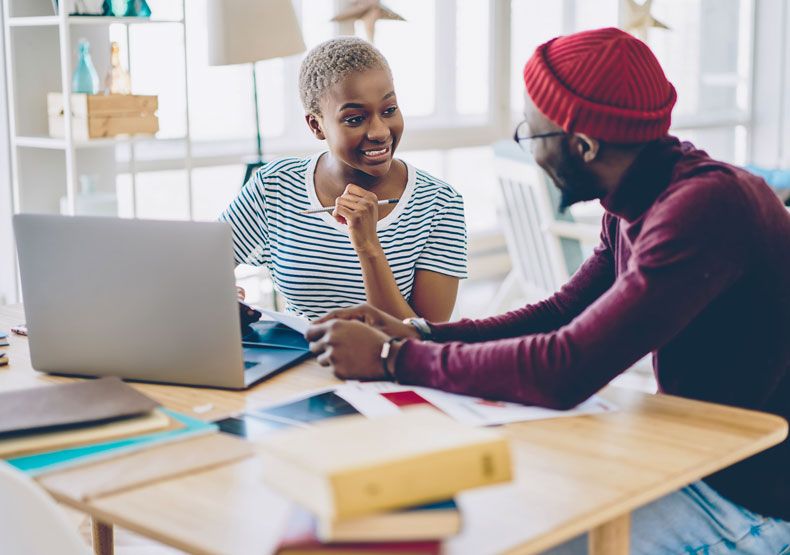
[(330, 208)]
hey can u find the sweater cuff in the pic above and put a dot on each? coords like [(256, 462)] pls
[(451, 331), (415, 361)]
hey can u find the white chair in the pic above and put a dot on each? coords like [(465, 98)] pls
[(545, 247), (31, 523)]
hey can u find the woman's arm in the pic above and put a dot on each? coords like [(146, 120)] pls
[(433, 294)]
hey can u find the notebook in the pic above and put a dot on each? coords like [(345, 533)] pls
[(37, 442), (71, 404), (66, 458)]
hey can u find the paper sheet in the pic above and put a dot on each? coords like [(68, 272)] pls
[(294, 322), (375, 399)]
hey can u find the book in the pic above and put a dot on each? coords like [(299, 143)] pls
[(3, 359), (70, 404), (3, 339), (178, 458), (51, 461), (433, 521), (351, 465), (37, 442), (299, 538)]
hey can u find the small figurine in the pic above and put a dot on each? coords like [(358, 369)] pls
[(117, 80)]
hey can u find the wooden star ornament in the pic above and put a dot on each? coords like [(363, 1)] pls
[(369, 12), (637, 18)]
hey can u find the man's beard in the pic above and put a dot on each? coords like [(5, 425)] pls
[(575, 182)]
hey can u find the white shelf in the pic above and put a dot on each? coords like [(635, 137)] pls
[(109, 20), (55, 143), (40, 142), (54, 21), (51, 20)]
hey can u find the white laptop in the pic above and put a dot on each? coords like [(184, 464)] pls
[(145, 300)]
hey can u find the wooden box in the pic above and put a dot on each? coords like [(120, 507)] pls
[(98, 115)]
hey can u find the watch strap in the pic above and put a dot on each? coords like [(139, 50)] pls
[(384, 355), (423, 328)]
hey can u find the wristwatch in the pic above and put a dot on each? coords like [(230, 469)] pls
[(422, 327)]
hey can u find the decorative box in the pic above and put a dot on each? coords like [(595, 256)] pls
[(104, 115)]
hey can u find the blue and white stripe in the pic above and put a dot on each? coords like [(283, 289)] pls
[(310, 256)]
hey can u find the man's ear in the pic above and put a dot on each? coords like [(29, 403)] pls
[(314, 123), (585, 146)]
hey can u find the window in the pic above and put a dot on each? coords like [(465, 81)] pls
[(450, 89), (705, 53), (449, 98)]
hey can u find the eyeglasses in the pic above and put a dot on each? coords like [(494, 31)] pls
[(522, 135)]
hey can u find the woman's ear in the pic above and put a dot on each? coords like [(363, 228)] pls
[(314, 123), (586, 147)]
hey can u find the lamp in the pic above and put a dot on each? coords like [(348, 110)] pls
[(247, 31)]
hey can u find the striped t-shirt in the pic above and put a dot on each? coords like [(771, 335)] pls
[(310, 257)]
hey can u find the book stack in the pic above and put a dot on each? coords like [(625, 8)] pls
[(43, 429), (381, 485), (3, 343)]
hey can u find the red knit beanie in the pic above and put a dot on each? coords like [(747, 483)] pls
[(604, 83)]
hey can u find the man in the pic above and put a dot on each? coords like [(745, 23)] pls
[(693, 266)]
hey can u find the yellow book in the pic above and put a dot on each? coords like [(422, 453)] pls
[(353, 465)]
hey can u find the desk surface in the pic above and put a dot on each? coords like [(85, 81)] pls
[(571, 474)]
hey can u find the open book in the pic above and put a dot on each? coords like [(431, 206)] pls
[(275, 329)]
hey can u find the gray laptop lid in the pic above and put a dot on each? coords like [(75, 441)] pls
[(140, 299)]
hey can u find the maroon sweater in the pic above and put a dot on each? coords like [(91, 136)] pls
[(693, 266)]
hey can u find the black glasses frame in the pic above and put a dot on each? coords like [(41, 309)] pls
[(520, 140)]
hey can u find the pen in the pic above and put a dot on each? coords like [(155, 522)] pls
[(330, 208)]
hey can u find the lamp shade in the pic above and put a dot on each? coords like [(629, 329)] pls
[(245, 31)]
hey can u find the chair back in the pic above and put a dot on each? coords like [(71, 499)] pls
[(536, 253), (31, 523)]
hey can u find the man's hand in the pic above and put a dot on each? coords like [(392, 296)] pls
[(374, 317), (240, 293), (350, 348)]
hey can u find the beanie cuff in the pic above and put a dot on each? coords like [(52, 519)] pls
[(575, 114)]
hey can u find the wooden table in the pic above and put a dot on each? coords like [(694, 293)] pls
[(571, 474)]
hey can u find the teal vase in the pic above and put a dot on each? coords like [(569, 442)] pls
[(130, 8), (85, 79)]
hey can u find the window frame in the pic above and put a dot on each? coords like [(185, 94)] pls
[(444, 129)]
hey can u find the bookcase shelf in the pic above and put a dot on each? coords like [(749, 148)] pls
[(74, 20), (40, 56)]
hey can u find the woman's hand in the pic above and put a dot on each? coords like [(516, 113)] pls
[(358, 208), (373, 317)]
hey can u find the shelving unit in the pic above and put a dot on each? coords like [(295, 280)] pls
[(41, 53)]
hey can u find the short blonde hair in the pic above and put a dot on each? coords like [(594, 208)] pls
[(330, 62)]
